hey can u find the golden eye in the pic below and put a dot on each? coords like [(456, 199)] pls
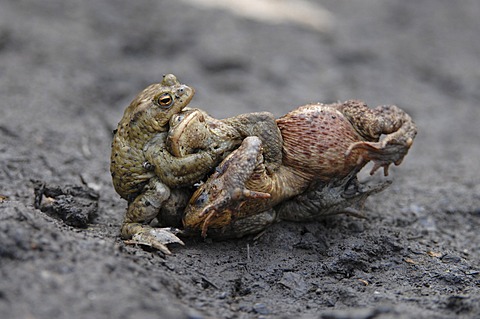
[(165, 100)]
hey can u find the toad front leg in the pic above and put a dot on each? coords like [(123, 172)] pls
[(388, 120), (338, 196), (141, 211), (264, 126), (221, 199), (179, 171)]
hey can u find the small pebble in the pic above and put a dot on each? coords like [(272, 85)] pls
[(356, 227), (451, 259), (261, 309), (194, 315)]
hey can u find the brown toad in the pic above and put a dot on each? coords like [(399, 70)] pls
[(323, 149)]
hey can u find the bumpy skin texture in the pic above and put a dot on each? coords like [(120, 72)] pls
[(328, 141), (145, 118), (323, 148), (144, 172), (194, 131), (298, 167)]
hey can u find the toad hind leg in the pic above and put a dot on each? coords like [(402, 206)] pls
[(141, 211), (390, 120)]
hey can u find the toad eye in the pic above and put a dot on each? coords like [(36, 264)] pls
[(200, 200), (179, 118), (164, 99)]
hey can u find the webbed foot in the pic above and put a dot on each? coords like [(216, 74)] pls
[(141, 211), (157, 238), (391, 122), (382, 153)]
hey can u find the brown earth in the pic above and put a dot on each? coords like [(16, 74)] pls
[(69, 68)]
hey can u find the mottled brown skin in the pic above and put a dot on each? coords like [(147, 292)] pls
[(323, 148)]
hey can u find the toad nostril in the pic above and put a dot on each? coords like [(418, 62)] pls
[(181, 91)]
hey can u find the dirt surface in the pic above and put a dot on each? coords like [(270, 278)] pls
[(69, 68)]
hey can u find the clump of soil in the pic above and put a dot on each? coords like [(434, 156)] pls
[(76, 205)]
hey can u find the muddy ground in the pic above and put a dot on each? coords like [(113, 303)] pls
[(69, 68)]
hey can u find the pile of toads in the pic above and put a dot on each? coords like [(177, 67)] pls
[(182, 168)]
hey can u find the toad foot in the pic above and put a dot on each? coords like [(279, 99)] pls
[(157, 238), (380, 153)]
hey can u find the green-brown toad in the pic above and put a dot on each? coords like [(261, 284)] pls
[(143, 171)]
